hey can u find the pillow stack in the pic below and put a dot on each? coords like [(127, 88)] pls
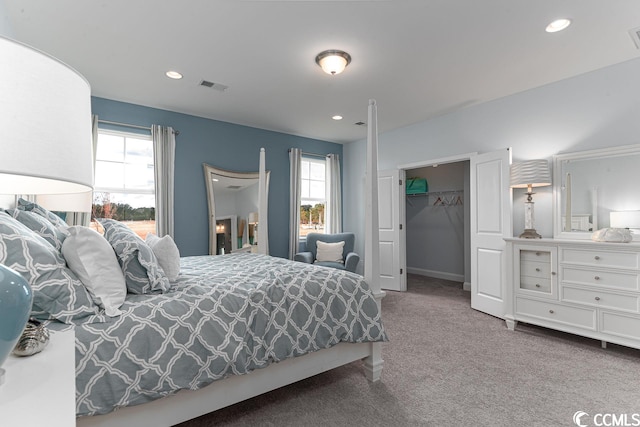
[(74, 271)]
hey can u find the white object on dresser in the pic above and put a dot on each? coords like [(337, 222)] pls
[(41, 389), (577, 286)]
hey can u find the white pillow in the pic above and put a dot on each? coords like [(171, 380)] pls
[(166, 250), (93, 260), (329, 251)]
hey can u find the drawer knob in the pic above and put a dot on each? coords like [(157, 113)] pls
[(537, 269), (537, 253), (551, 311), (597, 257), (597, 298), (597, 277), (553, 273), (537, 285)]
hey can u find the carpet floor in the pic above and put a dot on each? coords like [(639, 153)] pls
[(449, 365)]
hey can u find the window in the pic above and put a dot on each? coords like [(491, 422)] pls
[(312, 196), (124, 182)]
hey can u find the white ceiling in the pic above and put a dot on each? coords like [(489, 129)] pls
[(417, 58)]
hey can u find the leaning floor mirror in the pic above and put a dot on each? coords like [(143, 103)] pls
[(233, 209)]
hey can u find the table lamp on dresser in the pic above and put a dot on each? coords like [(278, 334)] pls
[(529, 174), (46, 148)]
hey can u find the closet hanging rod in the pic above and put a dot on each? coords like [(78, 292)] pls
[(304, 153), (108, 122), (436, 192)]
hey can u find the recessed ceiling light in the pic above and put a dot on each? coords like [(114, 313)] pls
[(558, 25), (337, 117), (174, 75)]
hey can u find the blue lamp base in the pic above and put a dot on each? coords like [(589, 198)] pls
[(16, 298)]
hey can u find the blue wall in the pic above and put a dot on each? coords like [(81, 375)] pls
[(226, 146)]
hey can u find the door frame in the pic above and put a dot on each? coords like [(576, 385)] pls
[(467, 236)]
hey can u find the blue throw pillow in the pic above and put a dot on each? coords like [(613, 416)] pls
[(57, 292), (41, 226), (142, 273), (26, 205)]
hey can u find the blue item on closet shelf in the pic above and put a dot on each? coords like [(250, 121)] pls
[(417, 185)]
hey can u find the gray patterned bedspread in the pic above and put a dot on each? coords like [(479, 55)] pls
[(224, 315)]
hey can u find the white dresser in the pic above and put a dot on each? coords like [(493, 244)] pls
[(577, 286)]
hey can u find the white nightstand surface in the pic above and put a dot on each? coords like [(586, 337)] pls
[(40, 390)]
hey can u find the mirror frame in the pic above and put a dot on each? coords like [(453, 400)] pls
[(558, 159), (208, 170)]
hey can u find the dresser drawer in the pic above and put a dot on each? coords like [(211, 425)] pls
[(573, 316), (598, 298), (621, 325), (600, 258), (535, 284), (535, 269), (539, 256), (610, 279)]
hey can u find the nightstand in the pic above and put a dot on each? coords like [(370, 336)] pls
[(40, 390)]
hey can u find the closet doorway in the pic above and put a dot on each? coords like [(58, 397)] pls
[(438, 219)]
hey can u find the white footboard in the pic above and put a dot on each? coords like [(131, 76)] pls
[(189, 404)]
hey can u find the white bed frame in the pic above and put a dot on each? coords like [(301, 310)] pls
[(188, 404)]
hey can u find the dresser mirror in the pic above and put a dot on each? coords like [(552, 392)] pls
[(233, 205), (596, 189)]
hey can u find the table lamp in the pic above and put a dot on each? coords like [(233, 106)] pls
[(529, 174), (45, 108)]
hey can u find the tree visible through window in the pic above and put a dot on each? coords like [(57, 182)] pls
[(312, 196), (124, 182)]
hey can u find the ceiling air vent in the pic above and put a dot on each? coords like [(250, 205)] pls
[(212, 85), (635, 35)]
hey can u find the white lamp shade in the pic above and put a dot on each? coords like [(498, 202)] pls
[(70, 202), (534, 173), (45, 109), (624, 219)]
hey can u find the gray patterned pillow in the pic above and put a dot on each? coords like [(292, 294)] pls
[(57, 292), (142, 273), (25, 205), (41, 225)]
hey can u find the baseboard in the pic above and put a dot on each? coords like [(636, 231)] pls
[(466, 286), (436, 274)]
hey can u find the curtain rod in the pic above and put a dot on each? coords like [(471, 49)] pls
[(107, 122), (312, 154)]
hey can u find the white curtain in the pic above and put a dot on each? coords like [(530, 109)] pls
[(333, 210), (295, 159), (164, 148)]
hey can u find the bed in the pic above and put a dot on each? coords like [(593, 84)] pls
[(225, 329)]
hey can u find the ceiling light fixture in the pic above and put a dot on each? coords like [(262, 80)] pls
[(337, 117), (333, 61), (173, 75), (558, 25)]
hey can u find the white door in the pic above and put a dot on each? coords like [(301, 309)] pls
[(392, 238), (490, 224)]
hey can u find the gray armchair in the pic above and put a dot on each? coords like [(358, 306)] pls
[(349, 257)]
